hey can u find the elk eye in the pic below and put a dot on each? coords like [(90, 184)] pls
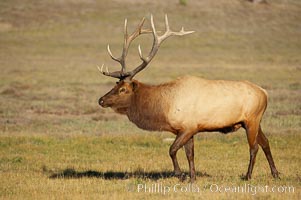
[(121, 90)]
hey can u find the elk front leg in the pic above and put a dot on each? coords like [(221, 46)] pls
[(189, 150), (173, 155), (180, 141)]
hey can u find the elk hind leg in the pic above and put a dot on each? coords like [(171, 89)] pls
[(252, 131), (264, 143)]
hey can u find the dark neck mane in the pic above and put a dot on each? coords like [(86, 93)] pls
[(149, 106)]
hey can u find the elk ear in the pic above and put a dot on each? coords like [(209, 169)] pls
[(134, 85)]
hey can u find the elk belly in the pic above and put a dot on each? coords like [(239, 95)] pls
[(210, 118)]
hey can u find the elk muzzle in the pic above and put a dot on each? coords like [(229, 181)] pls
[(101, 102)]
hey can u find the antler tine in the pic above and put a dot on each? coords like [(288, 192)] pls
[(166, 23), (185, 32), (100, 69), (139, 50), (140, 54), (107, 73), (125, 28), (169, 33), (122, 58), (153, 28), (110, 53)]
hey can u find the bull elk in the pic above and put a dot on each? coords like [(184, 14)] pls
[(187, 105)]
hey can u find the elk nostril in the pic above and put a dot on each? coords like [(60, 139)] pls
[(100, 101)]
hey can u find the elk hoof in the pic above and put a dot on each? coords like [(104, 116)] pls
[(182, 177), (177, 173), (192, 180), (245, 177), (276, 175)]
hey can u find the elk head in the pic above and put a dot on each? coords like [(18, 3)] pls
[(119, 97)]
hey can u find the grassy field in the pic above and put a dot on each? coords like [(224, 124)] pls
[(57, 143)]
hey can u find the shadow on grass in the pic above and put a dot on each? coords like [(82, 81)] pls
[(71, 173)]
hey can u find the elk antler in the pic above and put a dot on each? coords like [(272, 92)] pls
[(145, 60)]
